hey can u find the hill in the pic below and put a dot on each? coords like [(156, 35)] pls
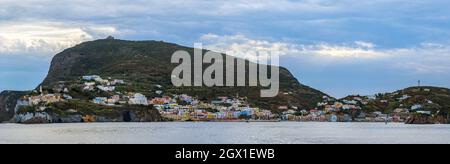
[(146, 64), (432, 99)]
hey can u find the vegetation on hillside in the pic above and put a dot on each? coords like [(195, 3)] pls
[(146, 64)]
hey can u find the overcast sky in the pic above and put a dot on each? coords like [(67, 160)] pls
[(340, 47)]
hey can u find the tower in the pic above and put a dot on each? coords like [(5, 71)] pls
[(418, 83), (40, 90)]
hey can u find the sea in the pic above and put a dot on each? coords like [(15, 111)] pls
[(225, 133)]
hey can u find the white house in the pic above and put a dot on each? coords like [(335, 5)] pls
[(404, 97), (353, 102), (138, 99), (424, 112), (117, 82), (91, 77), (322, 103), (416, 107), (102, 81), (89, 83), (67, 97), (106, 88)]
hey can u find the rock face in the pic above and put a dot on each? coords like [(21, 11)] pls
[(131, 115), (32, 118), (420, 119), (426, 119), (147, 64), (8, 101)]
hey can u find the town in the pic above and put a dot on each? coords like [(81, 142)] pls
[(183, 107)]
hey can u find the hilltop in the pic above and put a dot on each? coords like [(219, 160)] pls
[(429, 98)]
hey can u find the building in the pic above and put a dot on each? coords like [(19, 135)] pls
[(404, 97), (247, 112), (100, 100), (338, 105), (89, 83), (138, 99), (117, 82), (67, 97), (34, 100), (424, 112), (160, 101), (102, 81), (322, 104), (416, 107), (218, 101), (48, 98), (88, 88), (352, 102), (113, 100), (91, 77), (106, 88)]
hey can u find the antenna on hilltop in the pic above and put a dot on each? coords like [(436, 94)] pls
[(418, 83)]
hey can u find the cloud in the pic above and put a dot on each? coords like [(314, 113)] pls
[(317, 20), (427, 58), (365, 44), (33, 37), (243, 44)]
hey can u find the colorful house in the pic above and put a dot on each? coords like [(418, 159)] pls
[(100, 100)]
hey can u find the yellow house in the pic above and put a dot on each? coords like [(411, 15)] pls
[(186, 116), (211, 116), (51, 98)]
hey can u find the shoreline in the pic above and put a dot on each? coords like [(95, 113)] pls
[(222, 121)]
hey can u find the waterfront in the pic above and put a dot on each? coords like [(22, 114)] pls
[(225, 133)]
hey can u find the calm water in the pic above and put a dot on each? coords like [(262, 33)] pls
[(224, 133)]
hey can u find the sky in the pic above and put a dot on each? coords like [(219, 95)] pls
[(340, 47)]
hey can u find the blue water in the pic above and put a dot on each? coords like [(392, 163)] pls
[(225, 133)]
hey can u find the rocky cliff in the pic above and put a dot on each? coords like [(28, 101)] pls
[(8, 100)]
